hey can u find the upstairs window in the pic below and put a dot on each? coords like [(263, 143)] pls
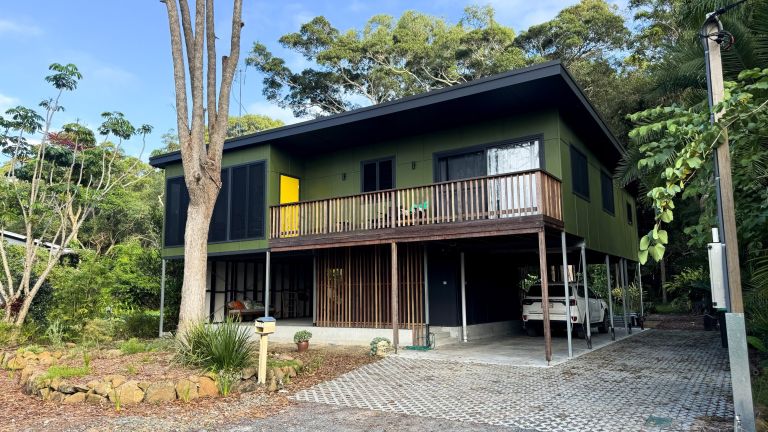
[(378, 175), (630, 215), (579, 173), (606, 187), (238, 213)]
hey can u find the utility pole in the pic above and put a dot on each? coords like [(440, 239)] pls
[(713, 36)]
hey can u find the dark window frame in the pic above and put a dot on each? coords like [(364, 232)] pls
[(612, 210), (229, 178), (378, 161), (578, 193), (630, 215), (436, 156), (167, 198)]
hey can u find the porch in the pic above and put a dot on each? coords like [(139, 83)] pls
[(476, 207)]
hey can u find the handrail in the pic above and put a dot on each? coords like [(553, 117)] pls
[(524, 193)]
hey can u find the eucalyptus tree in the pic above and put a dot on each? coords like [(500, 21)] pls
[(193, 52), (52, 187)]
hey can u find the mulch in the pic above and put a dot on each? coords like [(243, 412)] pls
[(675, 322), (23, 412)]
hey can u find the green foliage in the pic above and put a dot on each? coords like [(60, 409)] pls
[(97, 332), (302, 336), (55, 333), (141, 324), (60, 371), (134, 346), (676, 141), (674, 307), (224, 381), (375, 344), (7, 332), (690, 282), (221, 347), (250, 123)]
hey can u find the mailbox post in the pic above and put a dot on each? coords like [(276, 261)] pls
[(264, 327)]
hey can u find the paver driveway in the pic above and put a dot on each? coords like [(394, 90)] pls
[(669, 378)]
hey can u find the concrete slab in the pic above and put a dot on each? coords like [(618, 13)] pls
[(515, 350)]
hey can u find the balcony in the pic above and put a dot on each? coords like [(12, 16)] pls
[(493, 205)]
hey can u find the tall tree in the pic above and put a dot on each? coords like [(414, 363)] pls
[(52, 188), (193, 50), (250, 123), (386, 60)]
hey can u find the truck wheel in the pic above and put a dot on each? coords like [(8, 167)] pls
[(603, 327), (581, 330), (531, 331)]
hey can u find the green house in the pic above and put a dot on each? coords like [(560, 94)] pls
[(458, 192)]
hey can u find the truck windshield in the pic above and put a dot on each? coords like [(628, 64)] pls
[(554, 291)]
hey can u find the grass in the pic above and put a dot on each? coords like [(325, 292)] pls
[(669, 308), (130, 369), (135, 346), (282, 363), (58, 371)]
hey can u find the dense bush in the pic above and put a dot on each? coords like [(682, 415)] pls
[(220, 348), (141, 324), (98, 331)]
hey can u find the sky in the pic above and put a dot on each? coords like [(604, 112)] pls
[(122, 48)]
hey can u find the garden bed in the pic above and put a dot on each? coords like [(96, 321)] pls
[(29, 411)]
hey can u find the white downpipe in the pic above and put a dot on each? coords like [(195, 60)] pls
[(610, 287), (314, 288), (623, 270), (568, 324), (267, 283), (586, 288), (463, 302), (640, 287), (162, 296)]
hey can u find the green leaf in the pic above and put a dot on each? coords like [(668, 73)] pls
[(644, 243), (663, 237), (642, 256), (657, 252), (666, 216), (757, 343)]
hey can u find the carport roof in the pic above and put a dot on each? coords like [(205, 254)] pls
[(541, 86)]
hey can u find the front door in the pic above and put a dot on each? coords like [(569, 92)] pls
[(289, 215)]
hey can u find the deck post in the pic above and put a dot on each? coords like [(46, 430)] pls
[(588, 317), (610, 294), (623, 270), (464, 336), (314, 288), (640, 287), (267, 283), (426, 292), (545, 295), (568, 325), (162, 295), (395, 329)]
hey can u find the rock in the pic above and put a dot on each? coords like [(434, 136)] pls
[(186, 390), (127, 393), (66, 388), (4, 359), (290, 371), (249, 373), (279, 374), (45, 394), (75, 398), (113, 353), (33, 384), (56, 396), (207, 387), (54, 384), (115, 380), (247, 386), (57, 354), (161, 391), (81, 388), (272, 385), (93, 398), (16, 363), (29, 355), (144, 385), (25, 374), (46, 358), (101, 388), (193, 378)]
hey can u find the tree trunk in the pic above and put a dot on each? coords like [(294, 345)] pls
[(22, 314), (192, 308), (663, 268), (8, 318)]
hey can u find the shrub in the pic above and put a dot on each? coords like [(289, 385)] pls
[(98, 331), (302, 336), (58, 371), (375, 344), (7, 332), (133, 346), (223, 347), (142, 325), (55, 333)]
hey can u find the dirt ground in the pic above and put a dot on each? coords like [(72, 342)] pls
[(675, 322), (22, 412)]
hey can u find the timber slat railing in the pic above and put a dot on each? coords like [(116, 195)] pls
[(493, 197)]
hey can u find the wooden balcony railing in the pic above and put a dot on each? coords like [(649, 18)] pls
[(484, 198)]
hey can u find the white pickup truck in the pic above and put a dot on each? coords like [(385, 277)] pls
[(533, 316)]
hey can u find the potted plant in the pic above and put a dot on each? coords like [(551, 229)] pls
[(302, 338)]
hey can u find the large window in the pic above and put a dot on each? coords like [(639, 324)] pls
[(579, 173), (378, 175), (606, 187), (498, 158), (239, 210)]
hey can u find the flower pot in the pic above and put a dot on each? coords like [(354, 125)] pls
[(302, 346)]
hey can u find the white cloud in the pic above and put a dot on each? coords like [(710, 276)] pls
[(7, 102), (271, 110), (12, 27)]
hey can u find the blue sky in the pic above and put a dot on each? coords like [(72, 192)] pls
[(122, 49)]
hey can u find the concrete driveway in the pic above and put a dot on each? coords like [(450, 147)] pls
[(656, 380)]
